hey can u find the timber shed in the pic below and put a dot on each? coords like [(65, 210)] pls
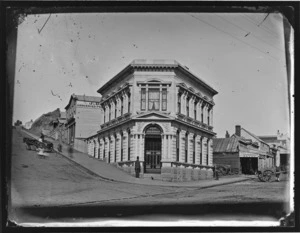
[(226, 152)]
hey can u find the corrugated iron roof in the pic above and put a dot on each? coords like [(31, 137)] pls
[(225, 144)]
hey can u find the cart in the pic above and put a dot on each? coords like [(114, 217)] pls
[(33, 144), (265, 175)]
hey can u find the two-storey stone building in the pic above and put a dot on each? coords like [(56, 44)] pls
[(82, 120), (163, 113)]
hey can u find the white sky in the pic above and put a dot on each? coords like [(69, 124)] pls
[(78, 53)]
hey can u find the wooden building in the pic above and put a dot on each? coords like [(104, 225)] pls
[(160, 111), (281, 142), (244, 152), (82, 120)]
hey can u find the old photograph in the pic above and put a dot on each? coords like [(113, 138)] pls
[(151, 119)]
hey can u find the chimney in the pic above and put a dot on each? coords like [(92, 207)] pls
[(227, 134), (238, 130)]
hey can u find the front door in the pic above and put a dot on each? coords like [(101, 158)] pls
[(152, 154)]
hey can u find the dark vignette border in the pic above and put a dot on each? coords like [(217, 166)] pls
[(13, 11)]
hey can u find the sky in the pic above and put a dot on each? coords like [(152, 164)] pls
[(241, 55)]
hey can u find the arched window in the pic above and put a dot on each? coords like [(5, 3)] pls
[(128, 144), (95, 149), (109, 151), (200, 150), (121, 146), (143, 99), (195, 110), (188, 106), (177, 144), (109, 112), (104, 148), (194, 149), (115, 148), (207, 151), (129, 102), (208, 113), (186, 147), (202, 108), (121, 99), (179, 102), (116, 109)]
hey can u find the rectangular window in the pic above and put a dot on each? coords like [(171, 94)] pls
[(143, 99), (195, 110), (116, 109), (129, 102), (202, 114), (153, 99), (179, 103), (164, 99), (208, 117), (187, 107), (201, 151), (121, 106)]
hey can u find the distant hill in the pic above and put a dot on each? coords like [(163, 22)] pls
[(42, 124)]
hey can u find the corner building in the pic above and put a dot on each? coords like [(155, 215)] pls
[(160, 111)]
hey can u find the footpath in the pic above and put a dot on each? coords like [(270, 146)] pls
[(110, 172)]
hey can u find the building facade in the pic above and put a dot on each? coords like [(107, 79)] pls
[(244, 152), (82, 120), (281, 142), (160, 112)]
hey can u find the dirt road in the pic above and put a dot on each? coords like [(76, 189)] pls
[(54, 188)]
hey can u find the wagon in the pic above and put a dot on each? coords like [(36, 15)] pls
[(33, 144), (265, 175)]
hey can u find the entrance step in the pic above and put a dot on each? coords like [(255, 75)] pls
[(152, 176)]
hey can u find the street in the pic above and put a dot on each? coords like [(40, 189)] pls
[(55, 189)]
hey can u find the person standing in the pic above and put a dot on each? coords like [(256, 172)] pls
[(137, 167)]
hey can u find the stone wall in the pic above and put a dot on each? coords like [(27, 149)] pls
[(182, 174)]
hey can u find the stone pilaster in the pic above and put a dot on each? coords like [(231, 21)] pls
[(97, 149), (142, 147), (191, 107), (199, 110), (211, 117), (210, 152), (198, 149), (112, 110), (101, 148), (112, 148), (205, 114), (125, 145), (173, 148), (133, 147), (183, 103), (182, 146), (204, 150), (118, 141), (106, 113), (190, 148), (89, 147), (107, 148)]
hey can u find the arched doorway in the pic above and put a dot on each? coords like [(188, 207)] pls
[(152, 162)]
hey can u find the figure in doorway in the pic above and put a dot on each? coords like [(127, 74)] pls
[(137, 166)]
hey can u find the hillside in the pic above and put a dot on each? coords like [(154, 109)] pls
[(42, 124)]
